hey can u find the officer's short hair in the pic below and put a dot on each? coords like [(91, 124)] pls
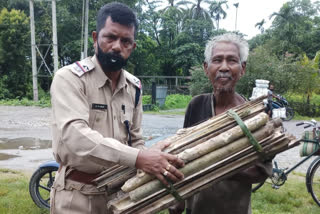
[(119, 13), (241, 43)]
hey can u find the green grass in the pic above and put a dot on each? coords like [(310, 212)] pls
[(43, 102), (315, 98), (299, 117), (291, 198), (173, 101), (14, 194)]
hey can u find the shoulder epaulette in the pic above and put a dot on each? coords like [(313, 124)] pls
[(81, 67), (134, 80)]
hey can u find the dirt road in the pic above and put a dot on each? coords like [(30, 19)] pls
[(25, 138)]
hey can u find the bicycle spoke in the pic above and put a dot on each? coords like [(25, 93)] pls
[(50, 177), (45, 188)]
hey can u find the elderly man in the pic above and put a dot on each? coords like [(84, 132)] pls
[(225, 64), (97, 115)]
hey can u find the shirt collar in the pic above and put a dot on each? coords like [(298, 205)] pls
[(101, 78)]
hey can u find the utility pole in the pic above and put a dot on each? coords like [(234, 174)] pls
[(86, 20), (236, 5), (54, 36), (33, 53)]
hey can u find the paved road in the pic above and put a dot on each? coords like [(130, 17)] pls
[(29, 129)]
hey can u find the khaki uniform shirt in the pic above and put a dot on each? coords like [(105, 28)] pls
[(88, 129)]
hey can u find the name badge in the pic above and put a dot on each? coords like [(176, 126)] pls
[(99, 106)]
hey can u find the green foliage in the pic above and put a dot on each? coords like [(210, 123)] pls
[(44, 101), (176, 101), (146, 99), (13, 186), (199, 82), (294, 97), (263, 64), (14, 66), (186, 56), (292, 198), (173, 101), (170, 41), (294, 28), (307, 79)]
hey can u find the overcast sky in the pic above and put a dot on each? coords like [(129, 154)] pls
[(250, 12)]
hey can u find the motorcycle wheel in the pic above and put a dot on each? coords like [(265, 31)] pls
[(40, 186), (289, 114)]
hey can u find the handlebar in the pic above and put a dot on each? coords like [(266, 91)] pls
[(299, 124), (307, 126)]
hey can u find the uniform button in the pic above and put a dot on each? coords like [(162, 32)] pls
[(97, 119), (114, 117)]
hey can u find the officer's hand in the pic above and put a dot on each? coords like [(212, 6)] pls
[(160, 164)]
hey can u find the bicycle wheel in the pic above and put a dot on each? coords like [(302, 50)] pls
[(40, 186), (289, 114), (257, 186), (313, 179)]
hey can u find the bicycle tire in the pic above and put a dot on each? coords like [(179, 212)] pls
[(308, 179), (40, 186), (289, 114), (313, 180), (255, 187)]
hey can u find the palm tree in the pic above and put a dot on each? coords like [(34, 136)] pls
[(236, 6), (259, 25), (217, 12), (171, 4), (198, 12)]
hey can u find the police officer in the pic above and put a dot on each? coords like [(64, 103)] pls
[(97, 115)]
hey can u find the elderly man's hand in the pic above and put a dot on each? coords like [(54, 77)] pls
[(160, 164), (161, 145)]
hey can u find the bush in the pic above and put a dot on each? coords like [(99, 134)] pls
[(146, 99), (262, 64), (175, 101), (199, 82)]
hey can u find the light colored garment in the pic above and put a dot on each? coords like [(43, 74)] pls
[(89, 133)]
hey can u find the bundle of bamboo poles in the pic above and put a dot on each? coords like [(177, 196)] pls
[(212, 150)]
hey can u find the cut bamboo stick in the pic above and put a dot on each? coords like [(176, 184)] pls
[(203, 162), (187, 138), (205, 148), (221, 170)]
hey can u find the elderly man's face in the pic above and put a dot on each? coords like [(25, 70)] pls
[(225, 69)]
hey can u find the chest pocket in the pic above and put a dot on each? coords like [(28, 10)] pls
[(97, 120)]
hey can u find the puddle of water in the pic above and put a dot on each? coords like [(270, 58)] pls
[(4, 156), (24, 143)]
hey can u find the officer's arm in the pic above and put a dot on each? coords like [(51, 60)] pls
[(77, 141)]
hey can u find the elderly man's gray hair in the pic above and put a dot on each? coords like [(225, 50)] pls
[(228, 37)]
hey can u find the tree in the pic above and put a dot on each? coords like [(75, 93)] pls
[(260, 24), (217, 11), (292, 27), (308, 76), (15, 72)]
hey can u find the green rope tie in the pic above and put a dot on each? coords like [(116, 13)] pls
[(173, 191), (246, 131)]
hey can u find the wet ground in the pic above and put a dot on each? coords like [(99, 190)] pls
[(25, 137)]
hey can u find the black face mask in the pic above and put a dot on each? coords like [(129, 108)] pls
[(110, 61)]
